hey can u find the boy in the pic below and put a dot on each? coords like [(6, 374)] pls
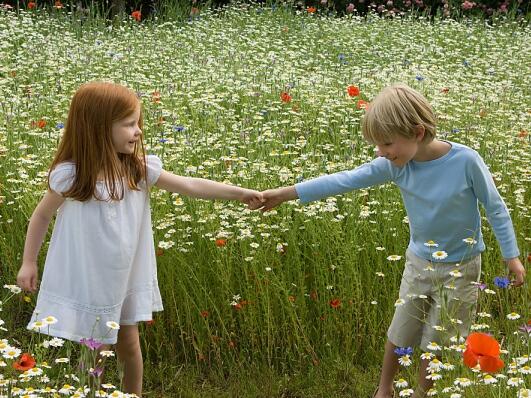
[(441, 183)]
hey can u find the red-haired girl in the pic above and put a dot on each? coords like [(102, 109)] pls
[(100, 276)]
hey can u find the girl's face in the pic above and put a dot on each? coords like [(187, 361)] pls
[(126, 133)]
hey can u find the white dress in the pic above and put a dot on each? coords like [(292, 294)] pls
[(100, 265)]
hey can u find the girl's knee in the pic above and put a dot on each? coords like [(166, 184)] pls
[(128, 343)]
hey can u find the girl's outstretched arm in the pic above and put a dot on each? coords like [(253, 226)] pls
[(27, 277), (207, 189)]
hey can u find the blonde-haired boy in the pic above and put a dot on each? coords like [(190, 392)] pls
[(441, 183)]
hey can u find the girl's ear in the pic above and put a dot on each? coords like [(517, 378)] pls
[(420, 132)]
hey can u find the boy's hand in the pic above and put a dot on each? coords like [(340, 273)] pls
[(27, 277), (253, 199), (273, 197), (515, 267)]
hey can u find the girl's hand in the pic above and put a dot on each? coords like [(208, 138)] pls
[(252, 198), (515, 267), (27, 277), (273, 197)]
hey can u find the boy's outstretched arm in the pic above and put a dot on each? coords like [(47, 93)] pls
[(207, 189), (516, 267), (273, 197)]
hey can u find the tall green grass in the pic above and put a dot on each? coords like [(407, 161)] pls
[(220, 116)]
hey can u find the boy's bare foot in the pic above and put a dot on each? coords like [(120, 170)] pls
[(383, 394)]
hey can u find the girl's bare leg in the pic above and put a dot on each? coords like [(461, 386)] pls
[(130, 355)]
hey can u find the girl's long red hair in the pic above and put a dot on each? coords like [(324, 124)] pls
[(87, 142)]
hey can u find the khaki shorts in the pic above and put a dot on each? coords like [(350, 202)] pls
[(436, 304)]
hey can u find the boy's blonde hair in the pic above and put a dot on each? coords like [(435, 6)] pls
[(397, 110)]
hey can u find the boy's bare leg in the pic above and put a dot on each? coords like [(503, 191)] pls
[(130, 355), (389, 369), (424, 383)]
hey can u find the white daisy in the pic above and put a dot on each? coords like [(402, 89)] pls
[(513, 315), (515, 381), (394, 257), (433, 346), (50, 320), (431, 243), (401, 383), (488, 379), (439, 255), (463, 382), (405, 360), (399, 302), (470, 241), (37, 325), (113, 325), (524, 393)]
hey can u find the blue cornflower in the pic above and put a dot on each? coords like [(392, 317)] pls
[(401, 351), (466, 63), (419, 78), (179, 129), (455, 130), (59, 125), (502, 282)]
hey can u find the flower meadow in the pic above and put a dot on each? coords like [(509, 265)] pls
[(262, 97)]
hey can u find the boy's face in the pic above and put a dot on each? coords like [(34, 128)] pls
[(399, 150)]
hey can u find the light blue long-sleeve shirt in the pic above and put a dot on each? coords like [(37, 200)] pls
[(441, 199)]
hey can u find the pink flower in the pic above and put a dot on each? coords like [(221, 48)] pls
[(350, 8), (467, 5)]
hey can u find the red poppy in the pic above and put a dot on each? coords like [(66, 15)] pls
[(313, 295), (292, 299), (482, 349), (150, 322), (221, 242), (353, 91), (204, 314), (26, 362), (155, 97), (361, 104), (41, 123), (159, 252), (311, 10), (194, 11), (58, 4), (285, 97), (335, 303), (137, 15), (445, 90), (522, 134), (32, 5)]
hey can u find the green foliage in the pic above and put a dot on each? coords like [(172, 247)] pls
[(220, 77)]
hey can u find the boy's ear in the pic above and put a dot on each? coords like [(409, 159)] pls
[(420, 132)]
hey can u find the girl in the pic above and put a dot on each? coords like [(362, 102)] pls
[(100, 275)]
